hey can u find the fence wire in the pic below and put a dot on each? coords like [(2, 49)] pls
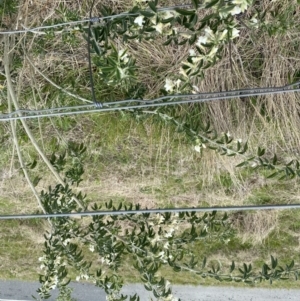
[(87, 20), (142, 104), (147, 211)]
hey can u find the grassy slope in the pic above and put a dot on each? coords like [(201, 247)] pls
[(148, 162)]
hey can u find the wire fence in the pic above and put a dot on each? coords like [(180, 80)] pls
[(147, 211), (154, 103), (87, 20)]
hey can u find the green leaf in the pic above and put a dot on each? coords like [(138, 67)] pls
[(204, 263), (185, 12), (148, 287), (242, 164), (168, 41), (165, 21), (245, 147), (36, 180), (147, 13), (152, 5), (289, 171), (232, 267), (272, 175), (156, 294), (182, 42), (192, 39), (291, 265), (260, 151), (195, 3), (33, 164), (273, 262), (177, 268), (109, 205), (212, 3)]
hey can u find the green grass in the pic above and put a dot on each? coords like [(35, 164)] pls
[(20, 249)]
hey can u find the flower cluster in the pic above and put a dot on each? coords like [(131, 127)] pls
[(83, 276), (51, 282), (233, 7), (157, 22), (172, 85), (199, 145)]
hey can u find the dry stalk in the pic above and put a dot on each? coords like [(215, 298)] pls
[(28, 131)]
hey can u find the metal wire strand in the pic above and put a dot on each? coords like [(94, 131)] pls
[(158, 102), (90, 19), (158, 210)]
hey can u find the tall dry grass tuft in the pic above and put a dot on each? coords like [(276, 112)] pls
[(255, 226)]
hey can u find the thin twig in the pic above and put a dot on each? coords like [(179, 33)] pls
[(28, 131), (54, 84), (13, 126)]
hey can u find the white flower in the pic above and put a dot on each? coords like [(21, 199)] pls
[(192, 52), (159, 27), (196, 89), (85, 276), (197, 59), (55, 282), (169, 298), (53, 286), (236, 10), (42, 258), (139, 20), (169, 86), (224, 34), (182, 72), (168, 14), (177, 83), (92, 248), (238, 141), (208, 32), (42, 266), (168, 284), (77, 278), (201, 40), (57, 260), (226, 241), (161, 219), (166, 245), (254, 20), (123, 55), (242, 3), (169, 233), (65, 242), (155, 240), (213, 51), (235, 33), (223, 13), (105, 260), (197, 148)]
